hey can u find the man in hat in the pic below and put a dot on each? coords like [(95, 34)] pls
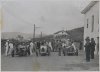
[(87, 49), (59, 48), (92, 48), (37, 48), (7, 47)]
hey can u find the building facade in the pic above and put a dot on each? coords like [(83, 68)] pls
[(91, 22), (61, 35)]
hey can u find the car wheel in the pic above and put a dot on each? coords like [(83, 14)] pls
[(12, 54), (64, 53), (76, 53), (48, 54)]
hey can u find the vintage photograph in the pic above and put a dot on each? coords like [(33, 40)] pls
[(49, 35)]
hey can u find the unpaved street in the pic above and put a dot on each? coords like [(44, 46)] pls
[(49, 63)]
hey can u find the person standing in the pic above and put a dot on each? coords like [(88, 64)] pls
[(50, 46), (87, 49), (92, 48), (11, 48), (37, 48), (73, 44), (59, 48), (7, 47), (28, 49), (31, 48)]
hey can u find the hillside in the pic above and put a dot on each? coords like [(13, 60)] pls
[(77, 33), (8, 35)]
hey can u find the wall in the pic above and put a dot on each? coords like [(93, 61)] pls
[(87, 31)]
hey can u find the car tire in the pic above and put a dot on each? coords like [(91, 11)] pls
[(48, 54), (64, 53), (12, 54), (76, 53)]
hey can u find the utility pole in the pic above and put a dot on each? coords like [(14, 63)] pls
[(41, 34), (34, 32)]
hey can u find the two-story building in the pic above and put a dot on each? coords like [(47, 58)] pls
[(61, 35), (91, 22)]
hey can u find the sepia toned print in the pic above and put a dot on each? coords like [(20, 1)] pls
[(49, 35)]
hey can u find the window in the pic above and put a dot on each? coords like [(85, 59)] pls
[(98, 20), (87, 23), (92, 23), (98, 23)]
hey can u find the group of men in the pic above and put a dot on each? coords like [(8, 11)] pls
[(9, 47), (89, 48), (59, 46), (31, 47), (35, 47)]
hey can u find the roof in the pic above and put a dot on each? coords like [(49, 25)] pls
[(58, 32), (76, 34), (61, 32), (88, 7)]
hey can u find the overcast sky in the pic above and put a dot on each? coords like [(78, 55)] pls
[(50, 15)]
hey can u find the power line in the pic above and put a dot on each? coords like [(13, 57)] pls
[(22, 20), (16, 16)]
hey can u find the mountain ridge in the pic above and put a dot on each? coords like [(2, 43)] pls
[(9, 35)]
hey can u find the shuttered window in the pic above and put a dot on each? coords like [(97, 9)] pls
[(92, 23), (87, 23)]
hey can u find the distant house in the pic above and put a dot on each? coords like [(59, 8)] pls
[(91, 24), (60, 35)]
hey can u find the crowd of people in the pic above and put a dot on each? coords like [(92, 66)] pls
[(56, 45), (32, 47)]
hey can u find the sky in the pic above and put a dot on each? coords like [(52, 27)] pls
[(49, 15)]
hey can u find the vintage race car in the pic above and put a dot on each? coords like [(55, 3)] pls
[(44, 50), (22, 50), (70, 50)]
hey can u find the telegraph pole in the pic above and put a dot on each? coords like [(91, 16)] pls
[(41, 34), (34, 32)]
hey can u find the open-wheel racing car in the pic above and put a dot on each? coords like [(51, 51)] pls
[(44, 50), (21, 50), (70, 50)]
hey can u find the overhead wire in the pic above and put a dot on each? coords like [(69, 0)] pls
[(17, 16)]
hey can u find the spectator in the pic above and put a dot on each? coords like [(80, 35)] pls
[(87, 49), (92, 48), (73, 44), (50, 45), (37, 48), (7, 47), (11, 48), (31, 48), (28, 49), (59, 48)]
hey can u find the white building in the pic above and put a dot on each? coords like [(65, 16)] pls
[(61, 35), (91, 24)]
